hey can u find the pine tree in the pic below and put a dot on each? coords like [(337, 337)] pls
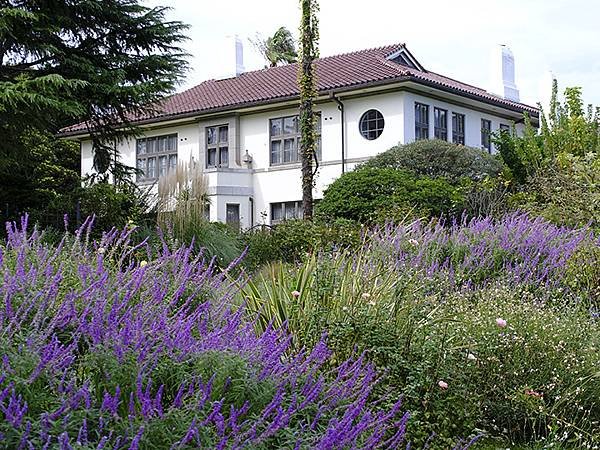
[(99, 61)]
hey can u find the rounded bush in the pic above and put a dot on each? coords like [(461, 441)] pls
[(437, 158), (367, 194)]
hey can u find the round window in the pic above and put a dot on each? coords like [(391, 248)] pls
[(371, 124)]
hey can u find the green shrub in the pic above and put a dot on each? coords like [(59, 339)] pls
[(113, 205), (291, 240), (368, 194), (566, 192), (437, 158)]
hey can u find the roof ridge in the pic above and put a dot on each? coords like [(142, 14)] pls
[(458, 81), (364, 50), (267, 69)]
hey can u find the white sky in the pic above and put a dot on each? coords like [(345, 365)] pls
[(454, 38)]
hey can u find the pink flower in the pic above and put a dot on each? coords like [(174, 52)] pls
[(501, 322), (442, 384), (533, 393), (295, 294)]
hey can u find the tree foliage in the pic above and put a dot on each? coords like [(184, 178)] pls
[(569, 128), (556, 171), (39, 178), (99, 61), (279, 48)]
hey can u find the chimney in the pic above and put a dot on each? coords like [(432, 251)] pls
[(503, 73), (239, 56)]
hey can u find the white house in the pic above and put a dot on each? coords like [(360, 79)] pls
[(244, 129)]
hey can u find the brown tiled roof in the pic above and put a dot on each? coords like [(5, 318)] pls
[(340, 72)]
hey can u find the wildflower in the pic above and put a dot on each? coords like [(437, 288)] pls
[(471, 357), (101, 250), (501, 322), (442, 384), (533, 393), (413, 242), (371, 303), (366, 295), (143, 263), (295, 294), (344, 308)]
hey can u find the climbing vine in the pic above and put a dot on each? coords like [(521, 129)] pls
[(309, 37)]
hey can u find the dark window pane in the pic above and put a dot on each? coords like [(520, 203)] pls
[(211, 135), (276, 152), (276, 212), (289, 150), (290, 125), (224, 156), (172, 146), (162, 144), (223, 135), (172, 162), (162, 165), (150, 145), (212, 157), (290, 210), (151, 168), (276, 127)]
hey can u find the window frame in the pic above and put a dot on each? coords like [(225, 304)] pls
[(377, 130), (486, 134), (295, 204), (438, 130), (218, 146), (294, 137), (156, 156), (420, 126), (458, 136)]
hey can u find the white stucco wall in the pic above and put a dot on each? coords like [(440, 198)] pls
[(254, 187)]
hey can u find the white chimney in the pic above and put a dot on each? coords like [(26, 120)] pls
[(503, 73), (231, 62), (239, 56)]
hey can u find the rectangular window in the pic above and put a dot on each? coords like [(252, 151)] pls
[(421, 121), (285, 211), (155, 156), (486, 134), (440, 124), (458, 128), (232, 215), (285, 139), (217, 146), (504, 127)]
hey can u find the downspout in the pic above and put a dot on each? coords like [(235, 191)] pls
[(343, 123), (251, 201)]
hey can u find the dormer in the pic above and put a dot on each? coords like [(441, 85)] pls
[(405, 58)]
